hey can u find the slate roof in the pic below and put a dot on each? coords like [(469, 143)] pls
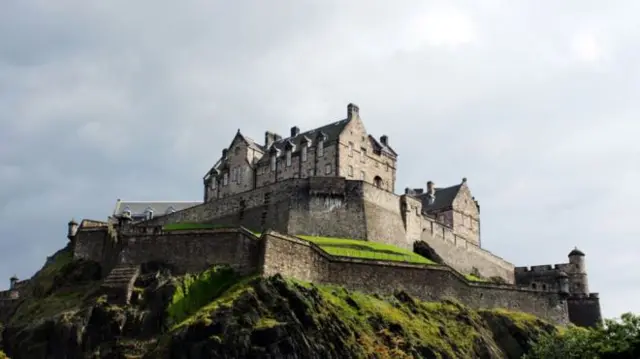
[(159, 207), (332, 131), (576, 252), (444, 198)]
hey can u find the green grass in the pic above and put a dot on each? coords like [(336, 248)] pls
[(353, 248), (473, 278), (196, 291)]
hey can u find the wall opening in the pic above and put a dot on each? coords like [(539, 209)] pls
[(377, 181)]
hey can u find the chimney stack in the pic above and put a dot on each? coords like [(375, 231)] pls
[(431, 188), (352, 110), (224, 153), (384, 139), (295, 130)]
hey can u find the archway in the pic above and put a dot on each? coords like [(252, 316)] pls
[(377, 181)]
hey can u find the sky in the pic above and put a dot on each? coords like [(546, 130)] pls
[(534, 102)]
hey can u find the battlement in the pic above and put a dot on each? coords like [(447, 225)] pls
[(543, 268)]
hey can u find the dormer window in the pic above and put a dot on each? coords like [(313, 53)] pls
[(321, 148), (148, 213), (214, 182), (273, 162), (288, 157), (303, 153), (170, 210)]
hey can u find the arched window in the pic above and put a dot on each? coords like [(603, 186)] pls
[(377, 181), (533, 285)]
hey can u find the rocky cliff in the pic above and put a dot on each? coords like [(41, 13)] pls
[(218, 314)]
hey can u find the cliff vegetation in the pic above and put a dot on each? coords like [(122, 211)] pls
[(221, 314)]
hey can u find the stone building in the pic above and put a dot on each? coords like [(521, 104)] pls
[(143, 210), (339, 149)]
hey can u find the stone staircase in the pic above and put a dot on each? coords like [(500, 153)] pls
[(119, 283)]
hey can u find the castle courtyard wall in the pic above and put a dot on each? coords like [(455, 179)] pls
[(462, 255), (89, 243), (290, 257), (194, 250)]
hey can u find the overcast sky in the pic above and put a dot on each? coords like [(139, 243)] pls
[(536, 105)]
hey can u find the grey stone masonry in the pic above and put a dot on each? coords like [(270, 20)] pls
[(119, 283)]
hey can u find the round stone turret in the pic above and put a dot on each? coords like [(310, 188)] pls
[(12, 281), (578, 275), (72, 229)]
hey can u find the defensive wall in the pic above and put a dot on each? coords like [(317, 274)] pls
[(196, 250), (336, 207)]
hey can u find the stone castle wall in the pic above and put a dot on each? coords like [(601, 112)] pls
[(196, 250), (462, 254), (336, 207), (585, 310), (299, 259)]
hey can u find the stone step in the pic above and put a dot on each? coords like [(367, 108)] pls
[(118, 285)]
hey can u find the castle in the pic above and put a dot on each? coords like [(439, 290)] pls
[(333, 181)]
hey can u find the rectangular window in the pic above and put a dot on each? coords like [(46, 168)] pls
[(240, 175), (327, 169), (350, 171), (387, 167), (350, 149), (304, 153), (363, 154), (320, 148), (225, 179), (213, 183), (234, 175), (311, 172), (273, 163), (362, 175), (288, 155)]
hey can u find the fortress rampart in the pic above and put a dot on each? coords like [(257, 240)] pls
[(336, 207), (196, 250)]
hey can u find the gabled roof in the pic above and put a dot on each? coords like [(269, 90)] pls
[(443, 198), (383, 148), (159, 208), (331, 132)]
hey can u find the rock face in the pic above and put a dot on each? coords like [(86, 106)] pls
[(218, 314)]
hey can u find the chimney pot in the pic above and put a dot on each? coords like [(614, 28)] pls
[(384, 139), (295, 130)]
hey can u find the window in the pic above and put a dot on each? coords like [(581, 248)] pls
[(378, 182), (288, 155), (350, 149), (320, 148), (311, 172), (350, 171), (273, 163), (234, 175), (148, 213), (387, 167), (214, 182), (534, 286), (363, 154), (327, 169), (240, 175), (304, 153), (225, 179), (236, 151), (362, 175), (377, 164)]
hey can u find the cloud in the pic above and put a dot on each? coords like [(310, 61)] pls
[(534, 104)]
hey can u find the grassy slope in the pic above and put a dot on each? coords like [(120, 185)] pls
[(392, 327)]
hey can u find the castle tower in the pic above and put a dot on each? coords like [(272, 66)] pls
[(12, 281), (578, 276), (72, 229)]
